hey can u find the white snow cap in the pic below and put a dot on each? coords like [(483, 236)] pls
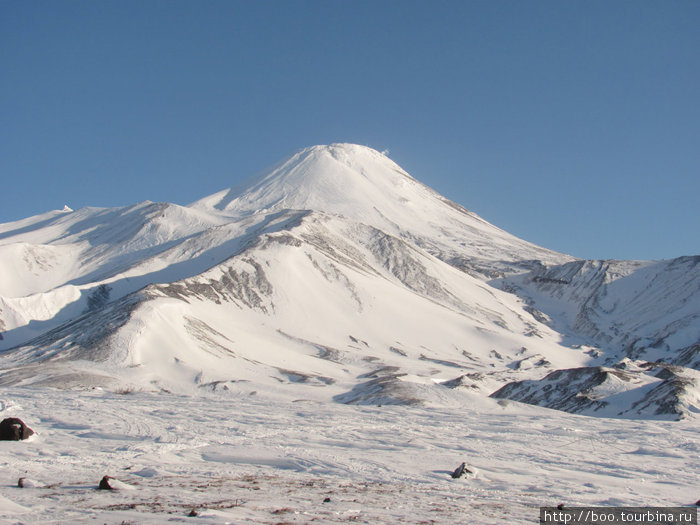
[(363, 185), (344, 179)]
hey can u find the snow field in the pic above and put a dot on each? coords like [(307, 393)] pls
[(237, 458)]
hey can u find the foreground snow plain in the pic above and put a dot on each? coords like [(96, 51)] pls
[(237, 457)]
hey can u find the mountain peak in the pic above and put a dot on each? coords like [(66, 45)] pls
[(346, 180), (340, 179), (363, 185)]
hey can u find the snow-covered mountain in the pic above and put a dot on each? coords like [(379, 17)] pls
[(336, 276), (363, 185)]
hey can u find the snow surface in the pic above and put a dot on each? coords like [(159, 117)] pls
[(241, 458)]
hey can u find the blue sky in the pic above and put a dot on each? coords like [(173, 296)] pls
[(574, 125)]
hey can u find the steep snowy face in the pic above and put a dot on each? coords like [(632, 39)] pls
[(364, 185)]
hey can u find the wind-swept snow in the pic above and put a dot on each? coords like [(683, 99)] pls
[(233, 457)]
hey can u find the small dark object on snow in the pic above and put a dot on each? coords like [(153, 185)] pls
[(697, 503), (104, 483), (460, 471), (560, 506), (14, 429), (326, 500), (192, 513), (28, 483)]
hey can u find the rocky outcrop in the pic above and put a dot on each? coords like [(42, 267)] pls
[(643, 390), (14, 429)]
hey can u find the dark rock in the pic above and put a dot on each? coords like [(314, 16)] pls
[(326, 500), (14, 429), (560, 506), (104, 483), (192, 513), (460, 471), (28, 483), (110, 483)]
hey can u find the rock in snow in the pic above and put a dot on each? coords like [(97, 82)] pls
[(460, 471), (14, 429), (27, 483), (110, 483)]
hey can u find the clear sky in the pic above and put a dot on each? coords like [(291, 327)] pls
[(574, 125)]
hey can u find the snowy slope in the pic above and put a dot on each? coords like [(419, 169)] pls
[(641, 310), (323, 303), (648, 391), (83, 246), (337, 277), (123, 249)]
